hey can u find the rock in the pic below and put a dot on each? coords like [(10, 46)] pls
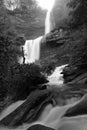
[(79, 109), (39, 127), (81, 79), (68, 93), (74, 74), (70, 48), (30, 110), (60, 11)]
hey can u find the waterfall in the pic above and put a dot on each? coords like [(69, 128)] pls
[(32, 50), (49, 22), (27, 50), (35, 50), (32, 47)]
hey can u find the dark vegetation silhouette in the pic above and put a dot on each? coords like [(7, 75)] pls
[(78, 13)]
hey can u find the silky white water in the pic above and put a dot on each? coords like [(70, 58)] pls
[(32, 50), (49, 22), (56, 78)]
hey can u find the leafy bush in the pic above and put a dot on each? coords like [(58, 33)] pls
[(24, 79)]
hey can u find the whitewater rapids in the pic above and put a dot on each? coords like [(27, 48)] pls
[(56, 78), (53, 116)]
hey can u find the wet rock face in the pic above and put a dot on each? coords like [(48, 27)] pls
[(36, 22), (31, 19), (78, 109), (75, 74), (60, 11)]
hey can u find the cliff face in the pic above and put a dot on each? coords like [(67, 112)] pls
[(61, 12), (66, 47), (30, 18)]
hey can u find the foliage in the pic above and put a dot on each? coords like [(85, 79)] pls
[(9, 48), (16, 80), (9, 51), (11, 5), (23, 79), (79, 12)]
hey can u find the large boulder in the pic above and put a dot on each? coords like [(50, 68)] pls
[(39, 127), (79, 109), (75, 74)]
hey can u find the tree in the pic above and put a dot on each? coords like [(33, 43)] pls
[(12, 4), (79, 12)]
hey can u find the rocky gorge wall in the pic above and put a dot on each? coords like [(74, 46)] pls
[(30, 19)]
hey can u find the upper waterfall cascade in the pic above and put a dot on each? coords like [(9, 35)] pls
[(49, 22)]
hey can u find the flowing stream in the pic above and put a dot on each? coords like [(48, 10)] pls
[(51, 116), (57, 78)]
